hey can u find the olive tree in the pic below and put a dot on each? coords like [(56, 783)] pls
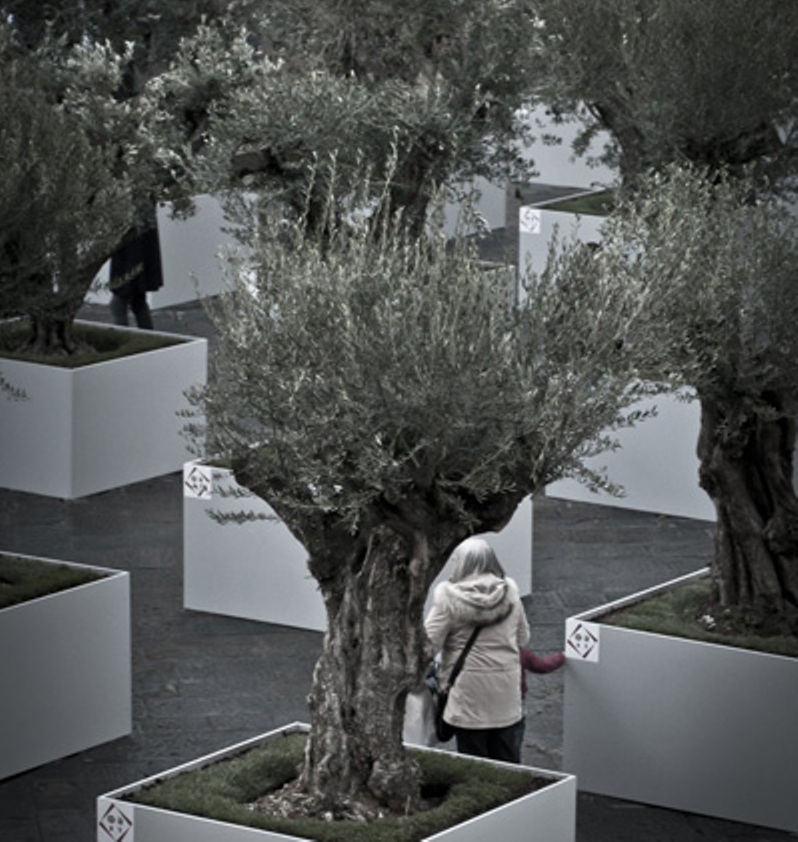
[(713, 83), (388, 398), (85, 152), (64, 205), (441, 82), (719, 262)]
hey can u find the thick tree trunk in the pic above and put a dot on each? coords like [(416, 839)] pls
[(52, 335), (374, 583), (747, 469), (374, 653)]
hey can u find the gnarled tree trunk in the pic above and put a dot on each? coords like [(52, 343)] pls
[(374, 582), (375, 651), (747, 469)]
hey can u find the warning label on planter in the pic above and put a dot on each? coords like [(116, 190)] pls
[(529, 220), (115, 823), (198, 481), (582, 640)]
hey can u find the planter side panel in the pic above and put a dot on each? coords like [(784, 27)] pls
[(65, 662), (125, 416), (103, 426), (513, 548), (685, 725), (152, 825), (656, 464), (256, 570), (35, 455), (534, 247), (548, 815), (191, 252)]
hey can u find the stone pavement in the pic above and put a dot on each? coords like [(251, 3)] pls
[(202, 682)]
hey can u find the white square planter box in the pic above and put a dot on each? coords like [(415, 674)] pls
[(192, 252), (548, 815), (682, 724), (65, 662), (258, 570), (89, 429), (656, 463)]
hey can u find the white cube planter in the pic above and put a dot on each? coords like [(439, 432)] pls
[(547, 815), (192, 252), (656, 463), (65, 662), (85, 430), (255, 570), (258, 570), (682, 724)]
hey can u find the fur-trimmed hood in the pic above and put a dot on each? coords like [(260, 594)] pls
[(477, 600)]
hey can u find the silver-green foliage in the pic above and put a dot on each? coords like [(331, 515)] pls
[(719, 260), (63, 203), (368, 373)]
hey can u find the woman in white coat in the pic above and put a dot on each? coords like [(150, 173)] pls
[(484, 705)]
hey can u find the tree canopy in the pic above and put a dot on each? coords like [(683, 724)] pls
[(714, 83), (388, 397), (718, 260), (65, 202)]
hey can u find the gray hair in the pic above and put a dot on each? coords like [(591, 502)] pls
[(473, 557)]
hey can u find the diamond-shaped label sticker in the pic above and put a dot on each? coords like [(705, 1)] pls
[(115, 822), (529, 220), (198, 481), (582, 640)]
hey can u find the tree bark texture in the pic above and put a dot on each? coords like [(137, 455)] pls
[(746, 467), (374, 581), (374, 652)]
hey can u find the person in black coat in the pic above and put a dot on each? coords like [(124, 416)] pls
[(135, 271)]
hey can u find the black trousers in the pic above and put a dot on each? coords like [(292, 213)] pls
[(137, 304), (495, 743)]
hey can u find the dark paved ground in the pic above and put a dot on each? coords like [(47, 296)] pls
[(202, 682)]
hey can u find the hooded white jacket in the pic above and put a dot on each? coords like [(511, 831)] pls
[(487, 692)]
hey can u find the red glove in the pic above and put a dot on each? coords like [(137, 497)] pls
[(534, 663)]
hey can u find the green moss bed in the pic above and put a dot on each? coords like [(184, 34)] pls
[(96, 342), (455, 789), (684, 612), (22, 579), (595, 204)]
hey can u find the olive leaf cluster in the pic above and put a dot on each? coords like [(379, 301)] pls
[(371, 370), (64, 204)]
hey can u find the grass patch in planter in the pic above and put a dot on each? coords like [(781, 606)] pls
[(593, 204), (684, 611), (454, 789), (22, 579), (96, 344)]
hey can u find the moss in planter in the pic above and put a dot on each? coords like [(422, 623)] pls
[(594, 204), (22, 579), (454, 787), (96, 343), (683, 612)]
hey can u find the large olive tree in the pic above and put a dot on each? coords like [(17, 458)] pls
[(64, 202), (443, 82), (388, 398), (85, 152), (719, 262), (714, 83)]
